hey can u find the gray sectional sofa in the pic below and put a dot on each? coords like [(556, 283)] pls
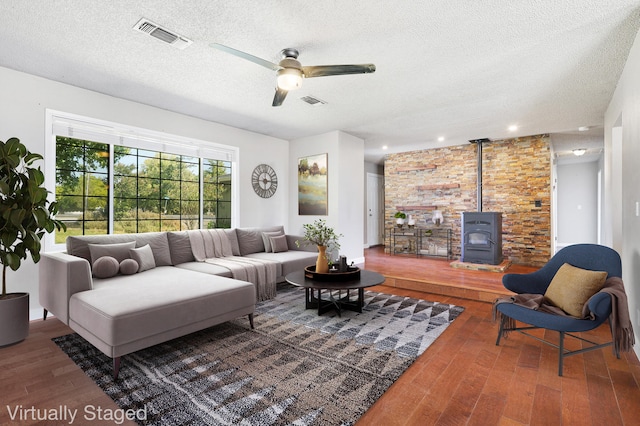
[(166, 284)]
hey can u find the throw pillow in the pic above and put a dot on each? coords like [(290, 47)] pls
[(180, 247), (279, 244), (250, 241), (129, 267), (119, 251), (571, 287), (105, 267), (159, 244), (144, 256), (266, 239)]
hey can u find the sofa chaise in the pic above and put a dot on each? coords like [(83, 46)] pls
[(163, 287)]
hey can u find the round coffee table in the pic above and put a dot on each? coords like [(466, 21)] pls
[(339, 303)]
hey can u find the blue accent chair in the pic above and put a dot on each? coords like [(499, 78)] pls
[(586, 256)]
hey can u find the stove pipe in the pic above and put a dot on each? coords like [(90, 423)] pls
[(479, 142)]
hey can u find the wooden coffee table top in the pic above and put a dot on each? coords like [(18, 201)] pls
[(367, 279)]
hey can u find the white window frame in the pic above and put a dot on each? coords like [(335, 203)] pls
[(59, 123)]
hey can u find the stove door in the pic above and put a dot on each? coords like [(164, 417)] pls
[(478, 240)]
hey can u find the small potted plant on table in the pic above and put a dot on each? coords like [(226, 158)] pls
[(400, 217), (324, 238)]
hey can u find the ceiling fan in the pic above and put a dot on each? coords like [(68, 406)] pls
[(290, 72)]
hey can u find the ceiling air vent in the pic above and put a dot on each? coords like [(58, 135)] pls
[(147, 27), (313, 100)]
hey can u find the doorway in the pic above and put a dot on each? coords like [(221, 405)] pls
[(375, 209)]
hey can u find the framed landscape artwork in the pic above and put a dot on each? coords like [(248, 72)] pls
[(312, 185)]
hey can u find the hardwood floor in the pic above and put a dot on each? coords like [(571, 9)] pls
[(462, 379), (465, 379), (435, 275)]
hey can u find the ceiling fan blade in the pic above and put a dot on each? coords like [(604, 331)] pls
[(244, 55), (278, 98), (325, 70)]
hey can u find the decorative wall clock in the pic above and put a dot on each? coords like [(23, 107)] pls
[(264, 180)]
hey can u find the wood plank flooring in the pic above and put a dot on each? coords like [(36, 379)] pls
[(462, 379), (435, 275), (465, 379)]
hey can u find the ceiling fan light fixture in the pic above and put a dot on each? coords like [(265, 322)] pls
[(289, 79)]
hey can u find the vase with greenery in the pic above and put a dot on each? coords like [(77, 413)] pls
[(325, 238), (400, 217), (25, 216)]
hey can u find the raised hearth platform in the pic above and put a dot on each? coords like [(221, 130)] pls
[(501, 267)]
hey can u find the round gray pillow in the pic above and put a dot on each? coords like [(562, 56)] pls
[(105, 267), (129, 267)]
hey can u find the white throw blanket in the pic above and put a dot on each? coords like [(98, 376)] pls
[(213, 246)]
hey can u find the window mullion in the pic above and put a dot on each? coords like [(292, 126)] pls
[(110, 198), (201, 193)]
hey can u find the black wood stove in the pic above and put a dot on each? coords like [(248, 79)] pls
[(482, 237)]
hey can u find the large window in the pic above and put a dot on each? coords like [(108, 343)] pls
[(155, 191), (82, 187), (123, 188)]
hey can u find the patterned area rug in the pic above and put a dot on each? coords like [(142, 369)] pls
[(295, 368)]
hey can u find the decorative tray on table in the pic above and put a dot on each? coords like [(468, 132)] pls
[(352, 273)]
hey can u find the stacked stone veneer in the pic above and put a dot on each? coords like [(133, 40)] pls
[(515, 172)]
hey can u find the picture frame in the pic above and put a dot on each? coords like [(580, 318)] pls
[(313, 185)]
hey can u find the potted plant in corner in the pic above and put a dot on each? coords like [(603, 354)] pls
[(324, 238), (25, 216)]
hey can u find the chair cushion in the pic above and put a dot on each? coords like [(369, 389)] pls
[(571, 287)]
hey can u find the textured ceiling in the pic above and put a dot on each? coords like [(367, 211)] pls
[(461, 70)]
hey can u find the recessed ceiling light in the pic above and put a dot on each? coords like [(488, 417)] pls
[(583, 128), (578, 152), (513, 128), (441, 139), (384, 147)]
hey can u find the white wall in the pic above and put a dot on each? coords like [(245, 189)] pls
[(22, 114), (351, 192), (620, 211), (345, 165), (577, 203)]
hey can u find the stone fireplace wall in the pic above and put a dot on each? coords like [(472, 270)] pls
[(516, 176)]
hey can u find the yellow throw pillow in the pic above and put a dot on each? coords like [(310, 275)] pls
[(571, 287)]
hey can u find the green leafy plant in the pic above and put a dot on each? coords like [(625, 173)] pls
[(320, 234), (400, 215), (25, 213)]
